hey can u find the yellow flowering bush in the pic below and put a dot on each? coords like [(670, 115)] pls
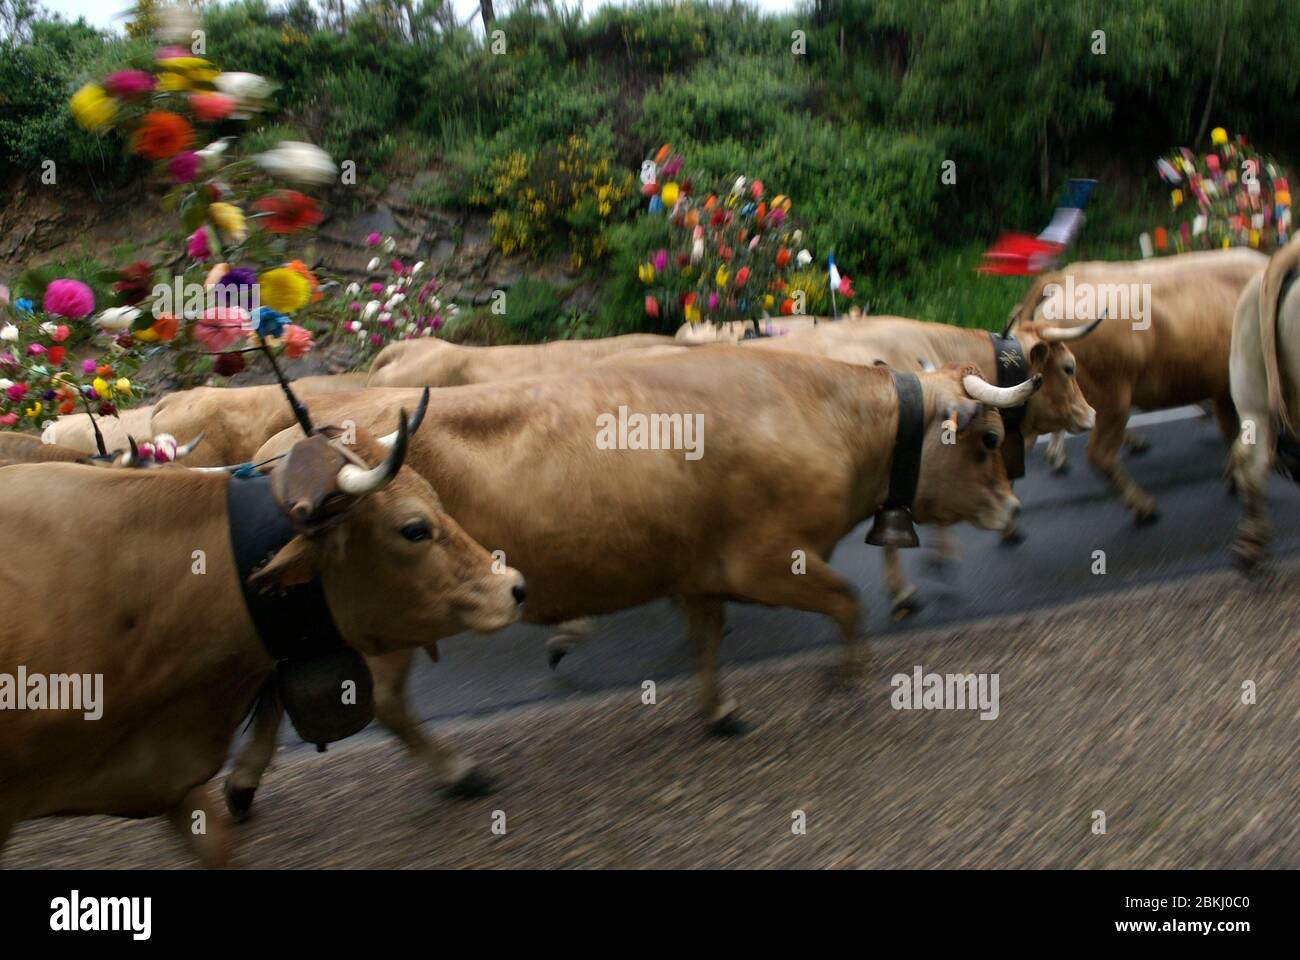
[(565, 191)]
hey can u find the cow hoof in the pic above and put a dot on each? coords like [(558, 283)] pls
[(475, 783), (1144, 518), (728, 725), (239, 800), (1013, 538), (554, 656), (906, 605)]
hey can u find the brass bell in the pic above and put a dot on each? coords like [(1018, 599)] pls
[(892, 527)]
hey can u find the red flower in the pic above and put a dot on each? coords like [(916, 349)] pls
[(162, 135), (289, 211), (136, 282), (229, 364), (55, 355)]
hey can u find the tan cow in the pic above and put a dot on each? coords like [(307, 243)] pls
[(1164, 343), (796, 451), (244, 409), (1265, 373), (915, 344), (161, 664), (430, 362)]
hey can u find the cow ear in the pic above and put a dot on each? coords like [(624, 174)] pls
[(293, 565), (1038, 355)]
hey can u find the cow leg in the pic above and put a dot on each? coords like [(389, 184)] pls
[(1248, 464), (203, 826), (1055, 453), (1104, 445), (1225, 415), (252, 763), (903, 594), (571, 633), (457, 774), (704, 621), (1136, 443)]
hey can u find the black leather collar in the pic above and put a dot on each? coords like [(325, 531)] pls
[(893, 521), (1012, 371), (293, 622)]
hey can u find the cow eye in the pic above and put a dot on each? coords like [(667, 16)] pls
[(1069, 370), (417, 531), (992, 440)]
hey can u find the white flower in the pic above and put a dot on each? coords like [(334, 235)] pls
[(248, 88), (296, 160), (394, 300), (48, 328), (738, 186), (697, 250), (388, 245), (417, 268), (388, 290), (373, 265), (211, 154), (5, 383), (384, 315), (353, 289), (804, 258), (9, 332), (798, 237), (117, 318), (370, 310), (354, 326), (361, 334)]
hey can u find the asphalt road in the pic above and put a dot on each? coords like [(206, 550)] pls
[(1066, 517)]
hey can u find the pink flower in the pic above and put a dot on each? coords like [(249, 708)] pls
[(396, 266), (197, 245), (660, 260), (221, 327), (60, 333), (184, 167), (88, 366), (68, 298), (297, 341), (8, 420), (374, 240), (128, 84), (35, 350), (211, 106), (170, 53), (376, 288), (713, 300), (17, 392)]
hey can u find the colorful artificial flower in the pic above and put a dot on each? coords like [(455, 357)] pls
[(184, 167), (221, 327), (228, 364), (297, 266), (164, 328), (70, 299), (297, 341), (135, 282), (116, 319), (229, 220), (162, 134), (266, 322), (196, 247), (209, 106), (284, 290), (129, 84), (250, 90), (1218, 136), (289, 211), (295, 160), (92, 107)]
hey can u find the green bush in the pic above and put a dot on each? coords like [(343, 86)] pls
[(532, 311)]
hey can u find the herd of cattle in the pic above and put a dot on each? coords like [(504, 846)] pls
[(491, 501)]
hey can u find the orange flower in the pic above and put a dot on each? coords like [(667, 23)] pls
[(300, 268), (289, 211), (297, 341), (162, 135)]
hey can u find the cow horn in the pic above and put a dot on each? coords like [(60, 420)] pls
[(186, 449), (977, 388), (132, 456), (926, 365), (412, 424), (359, 481), (1057, 334)]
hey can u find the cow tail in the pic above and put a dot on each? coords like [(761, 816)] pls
[(1270, 289)]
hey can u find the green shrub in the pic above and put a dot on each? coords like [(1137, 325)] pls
[(532, 311)]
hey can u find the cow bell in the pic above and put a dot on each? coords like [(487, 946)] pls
[(328, 697), (892, 527)]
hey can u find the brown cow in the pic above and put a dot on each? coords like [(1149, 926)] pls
[(430, 362), (915, 344), (174, 657), (1164, 343), (796, 451)]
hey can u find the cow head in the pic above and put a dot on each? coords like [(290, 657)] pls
[(396, 569), (962, 477), (1059, 404)]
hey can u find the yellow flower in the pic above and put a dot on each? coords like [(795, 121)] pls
[(92, 108), (123, 386), (284, 290), (1177, 197), (669, 194), (34, 410), (1218, 136), (646, 272), (692, 314), (230, 221), (768, 301), (101, 387), (721, 276)]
